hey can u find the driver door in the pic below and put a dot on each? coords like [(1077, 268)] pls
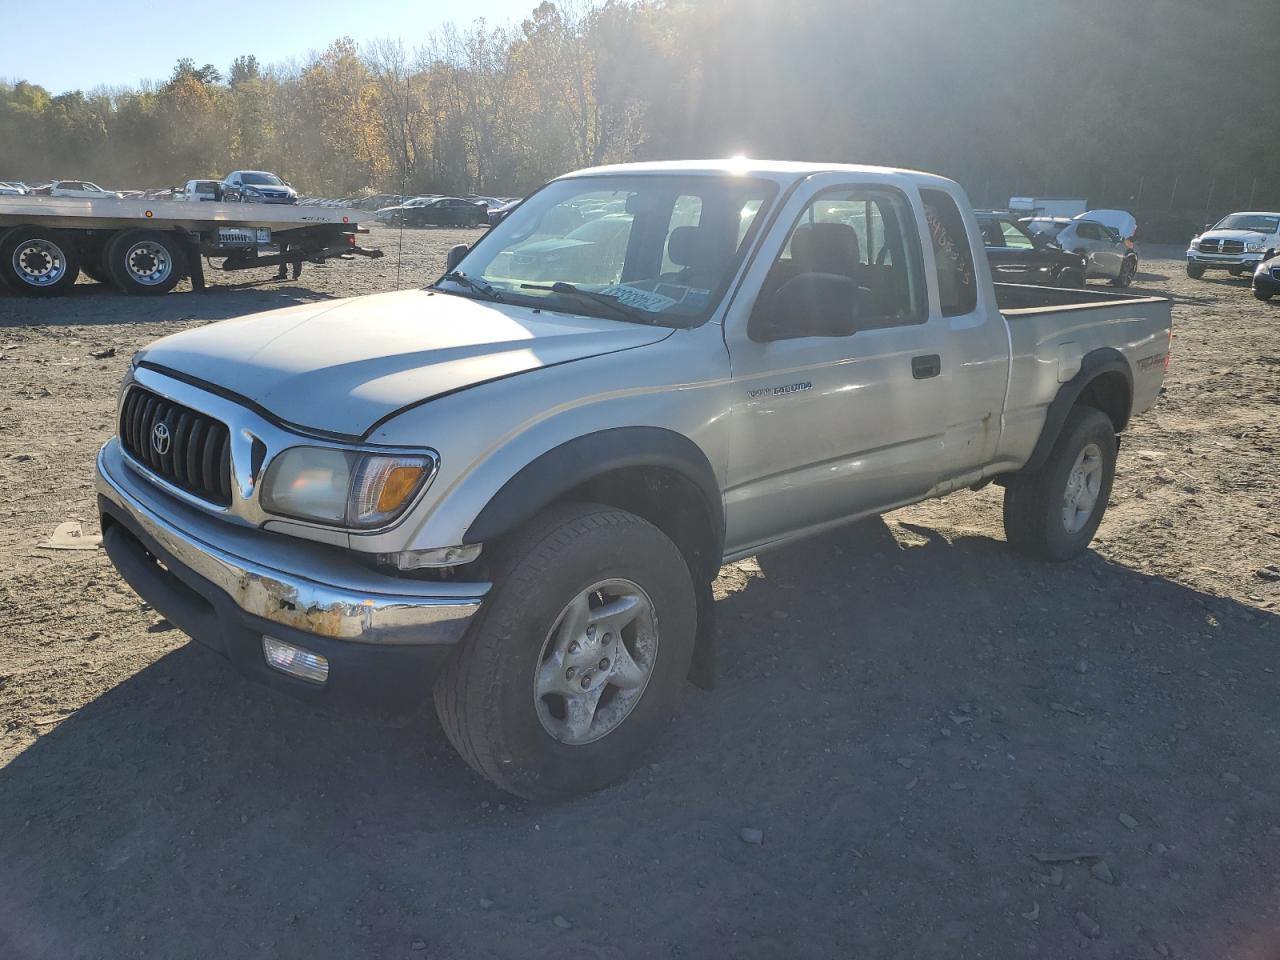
[(828, 427)]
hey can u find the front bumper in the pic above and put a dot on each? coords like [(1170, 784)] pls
[(1225, 260), (383, 636), (1267, 281)]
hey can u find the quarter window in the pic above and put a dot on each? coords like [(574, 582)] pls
[(953, 260)]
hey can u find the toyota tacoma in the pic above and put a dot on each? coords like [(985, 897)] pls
[(508, 493)]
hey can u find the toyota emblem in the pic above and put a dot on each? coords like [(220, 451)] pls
[(160, 438)]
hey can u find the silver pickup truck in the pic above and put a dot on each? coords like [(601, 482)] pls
[(510, 492)]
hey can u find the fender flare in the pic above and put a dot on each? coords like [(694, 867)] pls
[(576, 461), (1092, 365)]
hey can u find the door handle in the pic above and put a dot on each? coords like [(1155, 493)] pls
[(922, 368)]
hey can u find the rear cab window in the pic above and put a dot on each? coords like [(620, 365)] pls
[(953, 260)]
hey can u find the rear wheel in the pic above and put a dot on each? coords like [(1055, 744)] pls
[(578, 658), (145, 262), (1052, 513), (1195, 271), (38, 262)]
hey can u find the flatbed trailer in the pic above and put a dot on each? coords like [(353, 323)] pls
[(148, 246)]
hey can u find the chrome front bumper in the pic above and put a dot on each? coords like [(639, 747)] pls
[(1225, 259), (306, 586)]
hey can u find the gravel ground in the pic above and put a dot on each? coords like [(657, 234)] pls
[(921, 745)]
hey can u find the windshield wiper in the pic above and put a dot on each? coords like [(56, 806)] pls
[(484, 289), (610, 303)]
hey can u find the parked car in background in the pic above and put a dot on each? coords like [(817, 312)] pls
[(1121, 221), (1106, 253), (1237, 243), (9, 189), (499, 213), (210, 190), (1017, 256), (437, 212), (1266, 279), (82, 189), (378, 201), (391, 214), (257, 186)]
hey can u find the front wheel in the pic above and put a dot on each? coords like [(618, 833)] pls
[(1195, 271), (1263, 295), (1052, 513), (578, 658), (1128, 270)]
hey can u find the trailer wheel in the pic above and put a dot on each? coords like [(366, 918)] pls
[(146, 262), (38, 262)]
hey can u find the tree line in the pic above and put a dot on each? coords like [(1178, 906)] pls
[(1152, 104)]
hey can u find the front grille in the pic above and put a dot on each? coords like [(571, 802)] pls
[(1209, 246), (1231, 246), (197, 456)]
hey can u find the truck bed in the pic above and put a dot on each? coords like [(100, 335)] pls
[(1022, 298), (1052, 331)]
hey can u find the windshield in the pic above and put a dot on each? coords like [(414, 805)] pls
[(655, 249), (262, 179), (1249, 221), (1045, 228)]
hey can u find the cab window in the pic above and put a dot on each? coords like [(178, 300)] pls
[(1014, 237), (867, 234)]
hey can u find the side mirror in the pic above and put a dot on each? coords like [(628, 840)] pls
[(456, 253), (813, 305)]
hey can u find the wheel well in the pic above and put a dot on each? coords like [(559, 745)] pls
[(1108, 392), (666, 498)]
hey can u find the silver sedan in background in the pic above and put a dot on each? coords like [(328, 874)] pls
[(1109, 255)]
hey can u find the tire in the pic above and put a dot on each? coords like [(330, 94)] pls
[(1035, 504), (1127, 271), (38, 262), (1237, 271), (1263, 295), (1195, 271), (145, 262), (487, 694), (1073, 279)]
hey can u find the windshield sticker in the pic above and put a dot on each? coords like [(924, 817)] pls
[(640, 299)]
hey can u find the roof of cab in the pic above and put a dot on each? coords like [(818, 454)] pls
[(781, 171)]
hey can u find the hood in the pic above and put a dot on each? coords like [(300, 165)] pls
[(270, 188), (340, 367), (1249, 236)]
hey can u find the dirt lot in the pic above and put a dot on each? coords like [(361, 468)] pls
[(951, 751)]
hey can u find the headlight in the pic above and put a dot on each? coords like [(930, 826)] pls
[(1253, 246), (1195, 244), (342, 487), (250, 192)]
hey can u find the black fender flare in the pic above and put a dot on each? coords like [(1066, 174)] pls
[(1094, 364), (576, 461)]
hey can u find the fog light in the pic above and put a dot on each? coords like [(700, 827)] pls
[(295, 661)]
